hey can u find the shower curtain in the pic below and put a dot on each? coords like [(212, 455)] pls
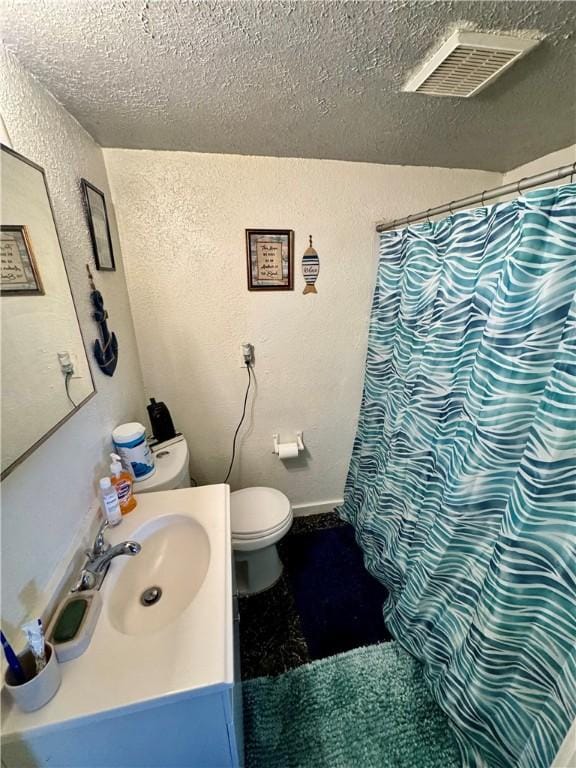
[(462, 483)]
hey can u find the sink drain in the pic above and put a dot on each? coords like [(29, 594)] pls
[(150, 596)]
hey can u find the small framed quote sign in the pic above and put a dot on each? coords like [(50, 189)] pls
[(270, 259), (19, 274)]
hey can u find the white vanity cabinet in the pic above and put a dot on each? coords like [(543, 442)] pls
[(160, 690), (189, 732)]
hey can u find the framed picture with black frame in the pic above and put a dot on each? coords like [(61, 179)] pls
[(99, 226), (270, 259)]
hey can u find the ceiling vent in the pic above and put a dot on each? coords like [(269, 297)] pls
[(468, 62)]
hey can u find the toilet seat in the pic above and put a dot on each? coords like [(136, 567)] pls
[(258, 534), (258, 513)]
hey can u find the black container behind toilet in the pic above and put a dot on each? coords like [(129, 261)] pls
[(160, 421)]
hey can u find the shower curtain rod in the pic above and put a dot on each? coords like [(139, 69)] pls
[(489, 194)]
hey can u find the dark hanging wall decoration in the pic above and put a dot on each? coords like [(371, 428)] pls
[(99, 226), (106, 349)]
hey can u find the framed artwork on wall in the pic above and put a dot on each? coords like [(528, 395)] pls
[(99, 227), (19, 273), (270, 259)]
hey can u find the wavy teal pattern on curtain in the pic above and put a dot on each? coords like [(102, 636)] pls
[(462, 483)]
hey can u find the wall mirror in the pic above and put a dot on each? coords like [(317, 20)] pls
[(45, 375)]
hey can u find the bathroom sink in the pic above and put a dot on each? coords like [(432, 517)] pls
[(151, 590), (178, 645), (155, 686)]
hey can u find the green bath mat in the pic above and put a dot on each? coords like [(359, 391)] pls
[(368, 708)]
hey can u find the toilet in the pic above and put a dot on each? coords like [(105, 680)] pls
[(172, 461), (259, 517)]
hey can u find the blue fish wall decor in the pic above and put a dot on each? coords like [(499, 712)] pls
[(310, 268)]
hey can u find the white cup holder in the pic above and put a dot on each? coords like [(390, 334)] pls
[(38, 688)]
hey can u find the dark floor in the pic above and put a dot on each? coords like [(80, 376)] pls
[(325, 602)]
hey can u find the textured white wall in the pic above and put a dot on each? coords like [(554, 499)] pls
[(181, 218), (46, 500), (565, 156)]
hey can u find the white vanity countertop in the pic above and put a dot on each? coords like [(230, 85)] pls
[(193, 652)]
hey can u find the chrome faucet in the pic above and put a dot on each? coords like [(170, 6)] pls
[(99, 559), (100, 544)]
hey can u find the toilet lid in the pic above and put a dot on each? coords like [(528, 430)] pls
[(171, 468), (256, 511)]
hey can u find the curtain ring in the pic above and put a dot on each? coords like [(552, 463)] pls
[(573, 172), (450, 207), (428, 216), (518, 190), (482, 198)]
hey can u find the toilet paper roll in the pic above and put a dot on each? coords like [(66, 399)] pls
[(288, 450)]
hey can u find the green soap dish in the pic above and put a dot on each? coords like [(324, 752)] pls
[(73, 624), (69, 620)]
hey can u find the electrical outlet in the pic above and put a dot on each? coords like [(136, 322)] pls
[(65, 363), (69, 364), (246, 354)]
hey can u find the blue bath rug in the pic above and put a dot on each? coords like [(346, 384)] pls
[(338, 601), (368, 708)]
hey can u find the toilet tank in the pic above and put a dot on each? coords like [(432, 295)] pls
[(172, 468)]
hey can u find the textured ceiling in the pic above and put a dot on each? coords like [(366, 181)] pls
[(298, 79)]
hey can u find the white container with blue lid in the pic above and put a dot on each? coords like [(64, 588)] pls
[(132, 447)]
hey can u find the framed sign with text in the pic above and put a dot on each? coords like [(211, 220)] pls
[(19, 272), (270, 259)]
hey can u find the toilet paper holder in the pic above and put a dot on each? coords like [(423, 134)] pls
[(299, 442)]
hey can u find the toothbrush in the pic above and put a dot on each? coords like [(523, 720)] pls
[(34, 631), (12, 659)]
